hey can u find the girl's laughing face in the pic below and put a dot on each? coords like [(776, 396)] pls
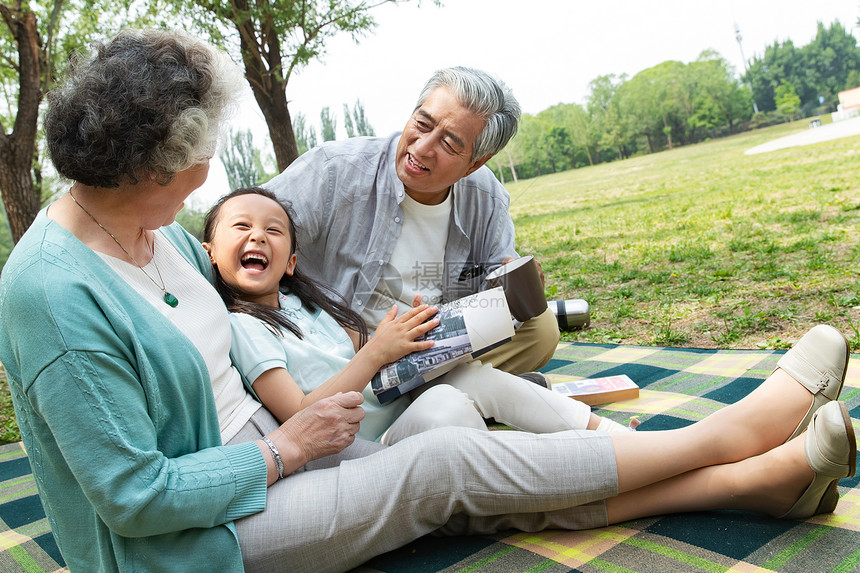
[(251, 247)]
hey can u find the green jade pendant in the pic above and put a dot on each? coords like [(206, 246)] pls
[(171, 300)]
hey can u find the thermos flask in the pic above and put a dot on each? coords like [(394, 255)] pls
[(570, 313)]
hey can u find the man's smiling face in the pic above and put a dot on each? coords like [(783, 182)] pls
[(435, 150)]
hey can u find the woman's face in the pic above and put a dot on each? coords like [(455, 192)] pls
[(163, 202), (251, 247)]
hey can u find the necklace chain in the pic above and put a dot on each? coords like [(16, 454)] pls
[(169, 299)]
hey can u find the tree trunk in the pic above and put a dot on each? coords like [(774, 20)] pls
[(20, 197), (269, 86), (668, 131), (277, 115), (511, 163), (501, 169)]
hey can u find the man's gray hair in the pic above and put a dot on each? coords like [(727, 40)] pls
[(485, 96)]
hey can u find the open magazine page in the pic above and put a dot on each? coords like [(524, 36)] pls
[(467, 328)]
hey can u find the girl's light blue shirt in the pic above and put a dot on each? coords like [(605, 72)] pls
[(324, 349)]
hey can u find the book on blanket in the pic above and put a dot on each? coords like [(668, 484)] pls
[(468, 327), (594, 391)]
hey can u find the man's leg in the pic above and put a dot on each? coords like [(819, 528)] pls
[(533, 345)]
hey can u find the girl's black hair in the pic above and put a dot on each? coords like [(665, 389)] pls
[(313, 294)]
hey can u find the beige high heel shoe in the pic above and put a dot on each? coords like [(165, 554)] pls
[(831, 452), (818, 361)]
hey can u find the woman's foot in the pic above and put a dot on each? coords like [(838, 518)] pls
[(818, 362), (831, 451)]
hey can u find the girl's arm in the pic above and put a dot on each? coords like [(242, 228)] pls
[(394, 339)]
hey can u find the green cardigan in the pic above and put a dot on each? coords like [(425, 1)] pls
[(117, 414)]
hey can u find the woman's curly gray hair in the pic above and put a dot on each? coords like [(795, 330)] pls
[(148, 103)]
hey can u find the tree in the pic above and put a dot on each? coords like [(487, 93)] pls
[(575, 140), (853, 79), (276, 38), (348, 124), (33, 52), (604, 104), (787, 100), (528, 147), (504, 164), (306, 135), (718, 98), (329, 125), (829, 60), (640, 108), (242, 161), (20, 175), (355, 121)]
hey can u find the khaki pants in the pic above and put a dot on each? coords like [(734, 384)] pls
[(533, 345)]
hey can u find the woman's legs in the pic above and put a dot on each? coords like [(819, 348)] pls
[(771, 483), (756, 424), (464, 480), (472, 391), (467, 481)]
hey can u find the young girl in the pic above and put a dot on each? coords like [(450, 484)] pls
[(296, 342)]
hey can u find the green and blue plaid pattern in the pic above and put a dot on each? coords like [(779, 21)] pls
[(678, 387)]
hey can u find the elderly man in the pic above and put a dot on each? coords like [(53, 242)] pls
[(417, 214)]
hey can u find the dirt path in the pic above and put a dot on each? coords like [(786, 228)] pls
[(844, 128)]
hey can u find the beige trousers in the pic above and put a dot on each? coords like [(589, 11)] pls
[(452, 481), (533, 345)]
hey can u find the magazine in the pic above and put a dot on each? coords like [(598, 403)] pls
[(594, 391), (468, 327)]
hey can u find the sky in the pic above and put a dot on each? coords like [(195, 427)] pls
[(547, 51)]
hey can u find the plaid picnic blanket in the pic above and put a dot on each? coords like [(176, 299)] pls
[(678, 386)]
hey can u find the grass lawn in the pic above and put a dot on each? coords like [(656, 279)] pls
[(700, 246), (703, 246)]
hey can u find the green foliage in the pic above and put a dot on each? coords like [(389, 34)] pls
[(329, 125), (306, 135), (192, 220), (668, 105), (6, 243), (355, 121), (242, 161), (786, 99), (273, 39), (817, 71), (9, 431), (675, 104)]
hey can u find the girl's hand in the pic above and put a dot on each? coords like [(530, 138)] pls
[(395, 336)]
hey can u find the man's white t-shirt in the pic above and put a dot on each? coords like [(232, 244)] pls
[(417, 262)]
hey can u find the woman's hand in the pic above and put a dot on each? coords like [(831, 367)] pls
[(395, 336), (322, 429)]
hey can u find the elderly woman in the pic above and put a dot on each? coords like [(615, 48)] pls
[(116, 348)]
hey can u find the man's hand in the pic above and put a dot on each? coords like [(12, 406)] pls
[(506, 260)]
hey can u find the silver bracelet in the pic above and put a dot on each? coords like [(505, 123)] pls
[(277, 455)]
